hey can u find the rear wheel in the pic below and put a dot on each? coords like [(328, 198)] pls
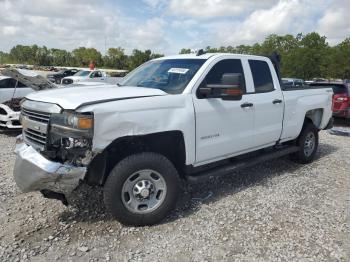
[(142, 189), (308, 144)]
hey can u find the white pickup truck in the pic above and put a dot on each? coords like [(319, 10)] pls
[(85, 76), (172, 120)]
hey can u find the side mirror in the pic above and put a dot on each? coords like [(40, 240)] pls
[(230, 88)]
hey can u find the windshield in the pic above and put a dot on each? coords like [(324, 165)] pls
[(171, 75), (82, 73)]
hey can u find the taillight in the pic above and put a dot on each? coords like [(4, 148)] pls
[(341, 99)]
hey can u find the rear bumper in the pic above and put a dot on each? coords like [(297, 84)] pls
[(33, 172), (344, 113)]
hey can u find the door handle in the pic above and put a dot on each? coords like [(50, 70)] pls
[(277, 101), (244, 105)]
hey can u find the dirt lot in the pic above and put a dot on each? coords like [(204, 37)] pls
[(275, 211)]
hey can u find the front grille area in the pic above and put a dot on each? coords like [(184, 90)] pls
[(35, 137), (36, 116), (35, 125)]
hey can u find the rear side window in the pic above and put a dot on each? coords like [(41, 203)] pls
[(21, 85), (227, 66), (262, 76)]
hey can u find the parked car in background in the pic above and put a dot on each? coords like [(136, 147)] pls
[(7, 86), (341, 97), (57, 77), (85, 75), (319, 80), (293, 82), (13, 87), (9, 104)]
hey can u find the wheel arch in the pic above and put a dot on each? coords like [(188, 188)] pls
[(315, 117), (171, 144)]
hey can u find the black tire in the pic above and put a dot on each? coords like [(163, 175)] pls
[(306, 155), (113, 188)]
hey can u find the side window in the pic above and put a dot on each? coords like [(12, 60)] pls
[(4, 83), (298, 83), (21, 85), (96, 74), (261, 76), (10, 83), (227, 66)]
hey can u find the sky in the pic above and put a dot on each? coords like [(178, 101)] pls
[(165, 26)]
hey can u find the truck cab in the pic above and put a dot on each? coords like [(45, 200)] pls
[(171, 121)]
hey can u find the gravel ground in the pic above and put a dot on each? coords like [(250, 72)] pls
[(275, 211)]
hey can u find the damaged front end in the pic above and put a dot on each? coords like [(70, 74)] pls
[(9, 114), (54, 150), (33, 172)]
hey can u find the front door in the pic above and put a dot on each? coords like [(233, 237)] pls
[(223, 128)]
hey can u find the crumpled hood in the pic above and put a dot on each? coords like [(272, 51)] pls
[(74, 97)]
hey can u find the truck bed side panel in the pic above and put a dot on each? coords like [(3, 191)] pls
[(298, 103)]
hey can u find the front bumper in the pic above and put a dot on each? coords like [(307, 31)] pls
[(10, 119), (33, 172)]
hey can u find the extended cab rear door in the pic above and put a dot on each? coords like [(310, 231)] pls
[(267, 100)]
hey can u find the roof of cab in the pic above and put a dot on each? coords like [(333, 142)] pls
[(208, 55)]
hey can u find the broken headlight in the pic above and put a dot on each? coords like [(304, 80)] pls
[(71, 136), (73, 124)]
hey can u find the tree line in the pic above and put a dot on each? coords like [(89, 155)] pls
[(303, 56), (115, 58)]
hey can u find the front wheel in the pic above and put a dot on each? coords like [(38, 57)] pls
[(308, 144), (142, 189)]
